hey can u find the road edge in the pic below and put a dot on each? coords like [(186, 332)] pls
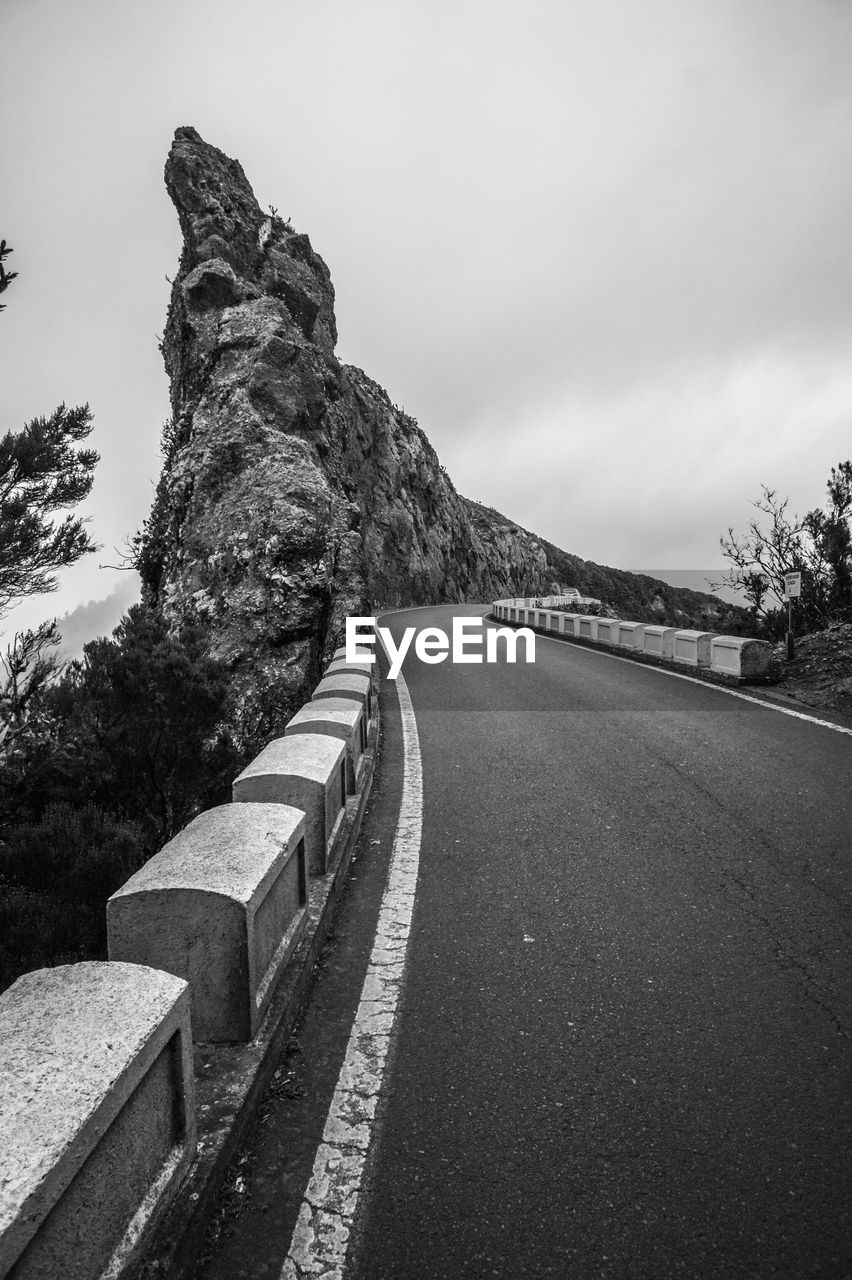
[(231, 1079)]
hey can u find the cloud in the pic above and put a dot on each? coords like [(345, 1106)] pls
[(96, 618), (597, 250), (656, 473)]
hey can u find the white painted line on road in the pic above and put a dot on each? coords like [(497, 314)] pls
[(321, 1235), (705, 684)]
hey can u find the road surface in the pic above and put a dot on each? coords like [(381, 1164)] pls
[(622, 1043)]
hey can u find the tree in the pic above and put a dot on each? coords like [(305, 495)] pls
[(6, 277), (831, 530), (28, 667), (817, 545), (110, 761), (42, 473), (141, 727)]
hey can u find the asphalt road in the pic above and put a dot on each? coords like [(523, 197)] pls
[(622, 1048)]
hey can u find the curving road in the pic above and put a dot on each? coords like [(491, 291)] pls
[(622, 1047)]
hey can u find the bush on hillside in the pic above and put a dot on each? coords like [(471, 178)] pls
[(111, 761)]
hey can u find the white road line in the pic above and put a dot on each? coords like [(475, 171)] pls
[(705, 684), (321, 1236)]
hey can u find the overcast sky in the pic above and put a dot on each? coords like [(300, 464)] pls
[(600, 249)]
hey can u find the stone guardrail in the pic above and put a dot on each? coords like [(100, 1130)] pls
[(98, 1117), (211, 906), (307, 771), (109, 1068), (737, 658), (343, 718), (347, 685)]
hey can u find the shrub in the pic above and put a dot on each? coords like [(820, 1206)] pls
[(109, 762)]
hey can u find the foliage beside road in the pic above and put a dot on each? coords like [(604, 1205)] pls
[(820, 674), (108, 762)]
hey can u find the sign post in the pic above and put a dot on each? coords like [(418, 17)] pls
[(792, 591)]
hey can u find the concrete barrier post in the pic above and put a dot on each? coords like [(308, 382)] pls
[(659, 640), (631, 635), (739, 656), (692, 648), (568, 624), (222, 905), (587, 627), (340, 718), (339, 666), (347, 684), (608, 629), (307, 771), (97, 1116)]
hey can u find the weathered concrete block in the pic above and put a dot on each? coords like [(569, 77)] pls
[(347, 684), (307, 771), (739, 656), (692, 648), (97, 1116), (630, 634), (340, 667), (222, 905), (659, 640), (341, 718), (568, 623), (587, 627), (608, 629)]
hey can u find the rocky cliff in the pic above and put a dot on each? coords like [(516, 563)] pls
[(294, 492)]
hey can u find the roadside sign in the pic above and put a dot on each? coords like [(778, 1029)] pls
[(792, 585)]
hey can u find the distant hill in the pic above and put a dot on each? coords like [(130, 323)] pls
[(636, 596)]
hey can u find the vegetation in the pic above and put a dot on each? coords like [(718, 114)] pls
[(42, 473), (100, 764), (818, 545), (6, 277), (105, 764)]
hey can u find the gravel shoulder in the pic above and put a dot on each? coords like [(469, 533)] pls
[(820, 674)]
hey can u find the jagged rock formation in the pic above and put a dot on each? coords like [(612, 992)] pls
[(294, 492)]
